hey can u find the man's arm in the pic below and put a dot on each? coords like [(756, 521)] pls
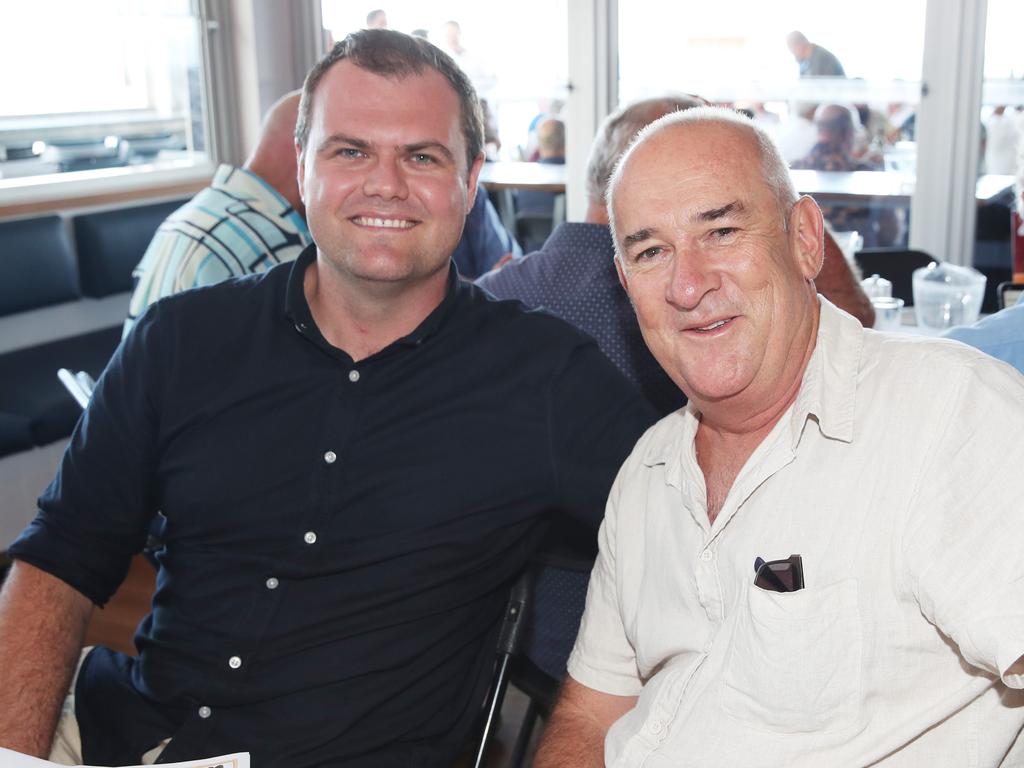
[(42, 626), (837, 283), (574, 737)]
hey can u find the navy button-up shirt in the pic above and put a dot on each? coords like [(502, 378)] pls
[(573, 276), (340, 536)]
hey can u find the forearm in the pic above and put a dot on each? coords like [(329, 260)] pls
[(574, 737), (838, 283), (570, 742), (42, 626)]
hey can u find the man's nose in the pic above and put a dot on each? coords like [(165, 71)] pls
[(692, 277), (386, 179)]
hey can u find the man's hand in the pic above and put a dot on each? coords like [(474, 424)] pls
[(574, 737), (42, 625)]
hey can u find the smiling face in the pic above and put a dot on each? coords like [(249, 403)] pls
[(722, 291), (384, 176)]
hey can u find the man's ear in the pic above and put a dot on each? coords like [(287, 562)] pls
[(300, 171), (622, 275), (807, 237), (471, 181)]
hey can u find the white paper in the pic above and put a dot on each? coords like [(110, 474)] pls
[(11, 759)]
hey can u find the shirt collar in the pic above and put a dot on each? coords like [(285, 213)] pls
[(297, 312), (827, 394)]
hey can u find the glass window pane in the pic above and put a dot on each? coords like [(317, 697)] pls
[(857, 157), (114, 84), (520, 67), (518, 86), (1002, 118)]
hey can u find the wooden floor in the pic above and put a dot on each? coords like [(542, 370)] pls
[(114, 627)]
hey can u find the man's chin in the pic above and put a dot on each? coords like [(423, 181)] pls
[(706, 387), (386, 276)]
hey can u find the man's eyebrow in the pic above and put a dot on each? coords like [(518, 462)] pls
[(637, 237), (427, 145), (351, 141), (340, 138), (735, 207)]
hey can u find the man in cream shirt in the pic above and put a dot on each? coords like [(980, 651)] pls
[(887, 463)]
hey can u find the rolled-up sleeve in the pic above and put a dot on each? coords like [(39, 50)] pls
[(95, 514), (964, 538), (603, 658)]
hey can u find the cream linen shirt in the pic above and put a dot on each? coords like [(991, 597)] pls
[(895, 475)]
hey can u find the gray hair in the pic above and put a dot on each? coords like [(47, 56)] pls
[(774, 171), (617, 131)]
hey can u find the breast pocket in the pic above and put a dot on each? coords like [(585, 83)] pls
[(794, 662)]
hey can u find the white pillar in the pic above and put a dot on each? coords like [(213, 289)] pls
[(942, 213), (593, 90)]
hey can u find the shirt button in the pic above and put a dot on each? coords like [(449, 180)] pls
[(353, 375), (300, 327), (272, 583), (205, 712), (310, 537), (330, 457), (656, 727), (706, 555), (235, 662)]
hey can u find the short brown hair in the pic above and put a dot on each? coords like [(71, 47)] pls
[(396, 55)]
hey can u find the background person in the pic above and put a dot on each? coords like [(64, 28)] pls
[(377, 19), (837, 127), (248, 220), (813, 59)]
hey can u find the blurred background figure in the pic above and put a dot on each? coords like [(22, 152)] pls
[(547, 109), (837, 126), (472, 64), (535, 209), (1004, 130), (492, 137), (797, 135), (876, 130), (376, 19), (814, 61), (550, 151)]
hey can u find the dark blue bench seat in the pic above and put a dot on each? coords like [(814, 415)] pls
[(45, 277)]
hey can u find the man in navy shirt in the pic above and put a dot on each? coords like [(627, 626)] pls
[(354, 455)]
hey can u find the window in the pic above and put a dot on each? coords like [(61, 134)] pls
[(99, 89), (738, 54), (1002, 111), (518, 63), (1002, 120)]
